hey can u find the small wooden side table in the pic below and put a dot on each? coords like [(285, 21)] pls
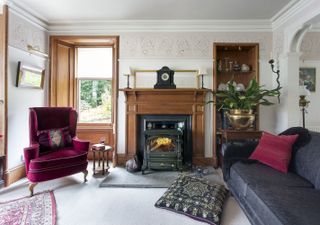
[(100, 149)]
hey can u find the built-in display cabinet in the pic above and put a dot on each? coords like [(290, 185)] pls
[(237, 62)]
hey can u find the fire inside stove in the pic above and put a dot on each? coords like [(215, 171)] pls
[(162, 144)]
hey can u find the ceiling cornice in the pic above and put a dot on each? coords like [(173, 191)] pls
[(159, 25), (288, 12), (28, 15), (107, 26)]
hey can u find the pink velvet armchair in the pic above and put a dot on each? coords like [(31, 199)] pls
[(54, 149)]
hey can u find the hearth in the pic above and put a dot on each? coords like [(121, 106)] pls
[(165, 141)]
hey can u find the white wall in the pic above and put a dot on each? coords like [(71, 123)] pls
[(287, 33), (310, 57), (186, 50), (21, 33), (312, 115)]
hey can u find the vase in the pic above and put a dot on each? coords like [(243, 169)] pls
[(241, 119)]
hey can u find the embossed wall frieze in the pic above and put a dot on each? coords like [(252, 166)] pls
[(22, 33), (186, 45)]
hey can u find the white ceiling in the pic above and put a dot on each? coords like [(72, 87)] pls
[(90, 10)]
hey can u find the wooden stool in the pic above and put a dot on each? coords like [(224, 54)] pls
[(100, 149)]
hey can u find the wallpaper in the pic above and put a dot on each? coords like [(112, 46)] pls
[(196, 45)]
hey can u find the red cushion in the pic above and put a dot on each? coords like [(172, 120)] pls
[(275, 151), (63, 158)]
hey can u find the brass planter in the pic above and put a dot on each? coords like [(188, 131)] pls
[(241, 119)]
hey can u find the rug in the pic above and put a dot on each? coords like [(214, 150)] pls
[(196, 198), (39, 209), (121, 178)]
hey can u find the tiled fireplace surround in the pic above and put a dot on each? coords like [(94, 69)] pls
[(189, 102)]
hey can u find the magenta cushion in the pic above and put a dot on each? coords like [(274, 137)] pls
[(54, 139), (275, 151), (63, 158)]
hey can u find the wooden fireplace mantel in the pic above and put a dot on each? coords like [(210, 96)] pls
[(182, 101)]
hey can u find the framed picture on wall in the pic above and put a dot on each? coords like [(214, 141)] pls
[(29, 76), (307, 77)]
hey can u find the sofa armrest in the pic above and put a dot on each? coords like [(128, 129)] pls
[(236, 152), (31, 152), (80, 145), (239, 150)]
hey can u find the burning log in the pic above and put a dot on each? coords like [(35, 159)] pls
[(163, 143)]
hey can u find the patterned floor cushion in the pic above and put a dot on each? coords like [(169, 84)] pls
[(196, 198)]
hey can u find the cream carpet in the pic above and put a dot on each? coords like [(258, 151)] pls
[(87, 204)]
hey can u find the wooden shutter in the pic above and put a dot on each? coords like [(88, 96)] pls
[(62, 81)]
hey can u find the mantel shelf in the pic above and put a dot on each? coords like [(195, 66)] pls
[(164, 90)]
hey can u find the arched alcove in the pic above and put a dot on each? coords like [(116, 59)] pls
[(288, 111)]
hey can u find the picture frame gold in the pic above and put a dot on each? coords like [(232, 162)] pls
[(29, 76)]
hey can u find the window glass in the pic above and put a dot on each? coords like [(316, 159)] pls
[(95, 101), (94, 73), (94, 63)]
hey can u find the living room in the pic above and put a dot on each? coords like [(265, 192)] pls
[(163, 61)]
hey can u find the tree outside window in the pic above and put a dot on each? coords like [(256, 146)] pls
[(94, 85)]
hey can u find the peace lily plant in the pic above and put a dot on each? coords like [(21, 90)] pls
[(240, 105), (248, 99)]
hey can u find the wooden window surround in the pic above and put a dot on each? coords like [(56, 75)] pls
[(4, 178), (64, 85)]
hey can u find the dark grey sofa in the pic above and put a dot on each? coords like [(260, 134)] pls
[(269, 197)]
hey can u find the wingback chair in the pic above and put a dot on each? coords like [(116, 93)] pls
[(54, 149)]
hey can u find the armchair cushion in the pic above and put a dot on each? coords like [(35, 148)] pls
[(54, 139), (63, 158)]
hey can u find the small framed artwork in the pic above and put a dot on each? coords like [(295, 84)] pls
[(29, 76), (307, 77)]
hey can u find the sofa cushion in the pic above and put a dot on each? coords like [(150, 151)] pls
[(257, 174), (285, 206), (63, 158), (307, 160), (275, 151)]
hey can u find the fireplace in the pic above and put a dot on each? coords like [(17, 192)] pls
[(165, 135), (188, 103)]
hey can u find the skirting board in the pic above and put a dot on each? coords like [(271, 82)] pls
[(14, 174)]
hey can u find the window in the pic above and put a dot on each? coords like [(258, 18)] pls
[(94, 70)]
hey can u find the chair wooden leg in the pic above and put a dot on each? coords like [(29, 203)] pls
[(31, 187), (85, 173)]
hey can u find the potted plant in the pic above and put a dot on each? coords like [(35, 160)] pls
[(240, 105)]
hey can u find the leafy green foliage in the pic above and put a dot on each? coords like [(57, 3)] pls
[(253, 96), (95, 100)]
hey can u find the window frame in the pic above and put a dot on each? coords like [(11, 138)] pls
[(82, 125)]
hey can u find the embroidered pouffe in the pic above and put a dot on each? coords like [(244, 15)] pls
[(196, 198)]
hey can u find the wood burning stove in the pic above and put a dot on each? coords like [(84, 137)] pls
[(162, 149), (166, 122), (165, 141)]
